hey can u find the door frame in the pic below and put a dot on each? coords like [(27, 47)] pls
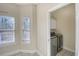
[(48, 16)]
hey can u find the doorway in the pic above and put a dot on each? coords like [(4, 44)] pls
[(62, 25)]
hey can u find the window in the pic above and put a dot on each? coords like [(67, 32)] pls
[(7, 28), (26, 29)]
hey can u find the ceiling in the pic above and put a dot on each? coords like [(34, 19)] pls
[(26, 3)]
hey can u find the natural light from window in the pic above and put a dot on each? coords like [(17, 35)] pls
[(26, 29), (7, 29)]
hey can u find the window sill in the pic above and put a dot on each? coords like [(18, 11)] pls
[(9, 43)]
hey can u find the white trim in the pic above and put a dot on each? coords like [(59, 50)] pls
[(7, 44), (48, 15), (69, 49), (77, 29), (32, 51), (48, 39), (24, 51), (28, 51), (58, 7), (10, 53), (41, 54)]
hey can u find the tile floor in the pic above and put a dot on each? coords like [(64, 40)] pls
[(65, 53), (25, 54), (61, 53)]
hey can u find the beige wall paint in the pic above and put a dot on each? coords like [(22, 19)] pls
[(30, 11), (18, 12), (42, 26), (11, 10), (65, 18), (39, 31)]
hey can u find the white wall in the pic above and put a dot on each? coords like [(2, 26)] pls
[(77, 30), (10, 10), (19, 11), (30, 11), (42, 26), (66, 25), (39, 39)]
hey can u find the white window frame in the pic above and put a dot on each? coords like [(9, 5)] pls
[(26, 41), (8, 30)]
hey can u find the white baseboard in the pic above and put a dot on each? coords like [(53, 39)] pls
[(10, 53), (28, 51), (68, 49), (24, 51), (32, 51), (41, 54)]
